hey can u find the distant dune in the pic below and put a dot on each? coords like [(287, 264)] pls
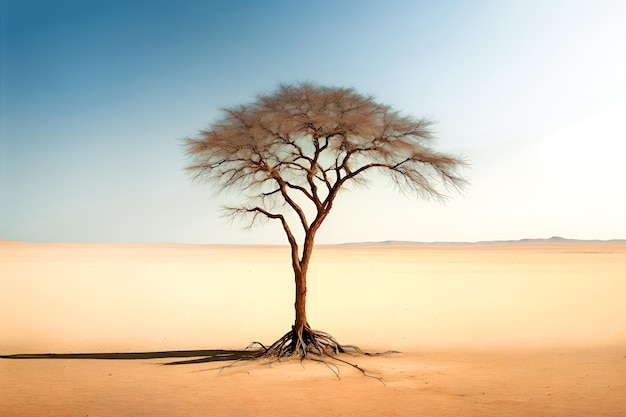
[(553, 239)]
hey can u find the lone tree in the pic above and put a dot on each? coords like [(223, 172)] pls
[(289, 154)]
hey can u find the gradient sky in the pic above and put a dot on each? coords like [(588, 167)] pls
[(96, 95)]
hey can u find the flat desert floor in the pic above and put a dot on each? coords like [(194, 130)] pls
[(524, 329)]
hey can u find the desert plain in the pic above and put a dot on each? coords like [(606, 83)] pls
[(493, 329)]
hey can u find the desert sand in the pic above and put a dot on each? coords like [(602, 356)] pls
[(520, 329)]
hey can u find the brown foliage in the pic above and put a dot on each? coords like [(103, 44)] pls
[(305, 142)]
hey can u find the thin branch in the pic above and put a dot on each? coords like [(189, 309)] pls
[(283, 190), (277, 216)]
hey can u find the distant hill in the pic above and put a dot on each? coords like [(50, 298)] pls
[(553, 239), (556, 239)]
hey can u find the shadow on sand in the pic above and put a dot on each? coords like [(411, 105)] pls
[(200, 356)]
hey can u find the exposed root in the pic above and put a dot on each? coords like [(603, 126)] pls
[(305, 342), (314, 345)]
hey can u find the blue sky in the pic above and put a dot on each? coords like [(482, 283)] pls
[(96, 95)]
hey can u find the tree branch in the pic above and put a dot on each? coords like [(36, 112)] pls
[(290, 237), (283, 190)]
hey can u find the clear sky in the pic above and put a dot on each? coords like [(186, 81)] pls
[(96, 95)]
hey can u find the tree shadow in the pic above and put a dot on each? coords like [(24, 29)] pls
[(200, 356)]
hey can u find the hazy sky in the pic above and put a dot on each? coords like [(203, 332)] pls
[(96, 95)]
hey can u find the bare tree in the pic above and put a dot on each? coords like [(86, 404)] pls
[(289, 154)]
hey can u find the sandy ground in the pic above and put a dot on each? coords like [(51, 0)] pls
[(487, 330)]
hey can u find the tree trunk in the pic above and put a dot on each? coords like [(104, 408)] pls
[(300, 304), (301, 340), (302, 330)]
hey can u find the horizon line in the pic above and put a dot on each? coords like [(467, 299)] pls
[(553, 239)]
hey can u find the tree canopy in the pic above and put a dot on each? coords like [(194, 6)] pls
[(305, 142)]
